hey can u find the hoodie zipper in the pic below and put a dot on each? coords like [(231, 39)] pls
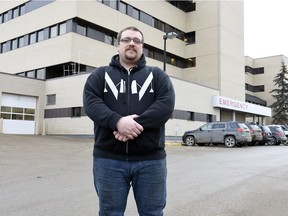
[(128, 104)]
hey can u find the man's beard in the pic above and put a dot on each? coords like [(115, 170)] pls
[(131, 56)]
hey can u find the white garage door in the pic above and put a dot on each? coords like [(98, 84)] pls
[(18, 114)]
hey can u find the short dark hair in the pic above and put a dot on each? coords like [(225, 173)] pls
[(129, 28)]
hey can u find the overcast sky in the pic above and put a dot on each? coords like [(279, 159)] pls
[(265, 28)]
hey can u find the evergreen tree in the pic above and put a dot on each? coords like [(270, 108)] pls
[(280, 93)]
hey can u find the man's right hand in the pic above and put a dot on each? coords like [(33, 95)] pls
[(128, 127)]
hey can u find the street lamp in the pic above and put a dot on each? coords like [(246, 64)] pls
[(169, 35)]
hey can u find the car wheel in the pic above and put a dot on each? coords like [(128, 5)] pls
[(230, 141), (273, 141), (190, 141)]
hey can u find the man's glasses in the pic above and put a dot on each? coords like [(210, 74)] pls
[(128, 40)]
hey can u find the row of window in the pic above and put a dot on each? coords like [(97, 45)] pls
[(89, 30), (33, 37), (259, 88), (78, 112), (254, 71), (64, 112), (38, 74), (17, 113), (131, 11), (22, 9), (177, 114), (184, 5), (255, 100), (117, 5), (65, 69)]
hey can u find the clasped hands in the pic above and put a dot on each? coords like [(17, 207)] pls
[(127, 128)]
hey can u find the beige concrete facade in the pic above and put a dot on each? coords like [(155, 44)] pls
[(271, 66), (218, 49), (22, 86)]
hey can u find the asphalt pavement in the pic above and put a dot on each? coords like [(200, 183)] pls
[(52, 176)]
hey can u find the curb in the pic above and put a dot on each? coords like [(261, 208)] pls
[(173, 143)]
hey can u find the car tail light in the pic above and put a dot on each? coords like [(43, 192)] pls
[(240, 130), (278, 133)]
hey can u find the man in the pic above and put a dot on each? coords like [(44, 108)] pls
[(129, 104)]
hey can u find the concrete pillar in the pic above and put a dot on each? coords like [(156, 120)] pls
[(233, 115), (1, 125)]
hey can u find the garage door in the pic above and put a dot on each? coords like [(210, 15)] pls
[(18, 114)]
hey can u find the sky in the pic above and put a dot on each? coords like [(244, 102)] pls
[(265, 28)]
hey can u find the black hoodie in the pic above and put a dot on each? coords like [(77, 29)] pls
[(112, 92)]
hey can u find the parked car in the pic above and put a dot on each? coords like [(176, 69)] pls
[(229, 133), (278, 135), (247, 133), (285, 129), (267, 135), (256, 133)]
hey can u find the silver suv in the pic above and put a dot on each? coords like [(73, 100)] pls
[(229, 133)]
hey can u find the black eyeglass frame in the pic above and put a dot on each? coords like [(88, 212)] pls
[(128, 40)]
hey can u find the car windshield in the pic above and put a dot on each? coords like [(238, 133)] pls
[(266, 129), (255, 127), (276, 129), (242, 125)]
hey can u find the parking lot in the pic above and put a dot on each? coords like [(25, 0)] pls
[(52, 176)]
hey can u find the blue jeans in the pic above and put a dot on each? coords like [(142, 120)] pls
[(113, 179)]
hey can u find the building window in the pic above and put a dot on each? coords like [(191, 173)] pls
[(159, 25), (110, 3), (31, 74), (108, 40), (260, 88), (53, 31), (191, 116), (40, 35), (17, 113), (32, 38), (14, 44), (189, 38), (5, 17), (6, 112), (133, 12), (21, 42), (22, 9), (123, 7), (191, 62), (81, 29), (254, 71), (76, 112), (40, 74), (5, 46), (29, 114), (15, 13), (51, 99), (209, 118), (145, 18), (62, 28), (148, 52)]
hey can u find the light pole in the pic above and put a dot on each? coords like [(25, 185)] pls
[(169, 35)]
